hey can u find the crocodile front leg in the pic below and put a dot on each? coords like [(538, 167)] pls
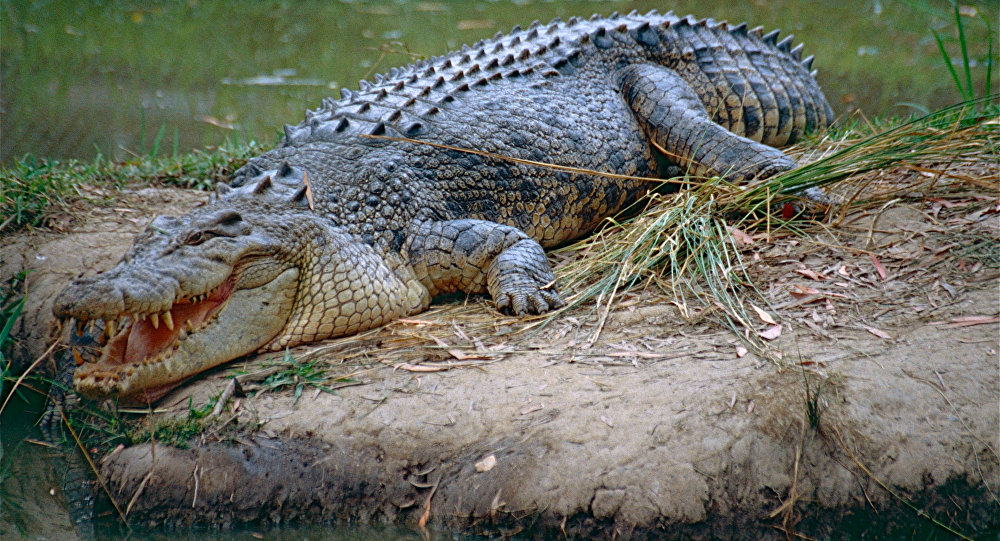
[(476, 256), (674, 118)]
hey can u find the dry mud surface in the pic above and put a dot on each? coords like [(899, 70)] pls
[(662, 427)]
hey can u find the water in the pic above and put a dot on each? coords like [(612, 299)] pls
[(121, 78)]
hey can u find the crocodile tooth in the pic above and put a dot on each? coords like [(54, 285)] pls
[(155, 318), (81, 326), (182, 334), (109, 328), (77, 358), (188, 325), (168, 319)]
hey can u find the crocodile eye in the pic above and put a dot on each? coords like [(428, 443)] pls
[(195, 238)]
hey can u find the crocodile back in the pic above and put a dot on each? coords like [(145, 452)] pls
[(456, 135)]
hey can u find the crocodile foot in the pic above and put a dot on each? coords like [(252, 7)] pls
[(521, 280)]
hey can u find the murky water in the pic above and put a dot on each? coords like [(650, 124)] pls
[(127, 77), (121, 78)]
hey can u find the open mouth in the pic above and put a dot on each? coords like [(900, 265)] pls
[(133, 339)]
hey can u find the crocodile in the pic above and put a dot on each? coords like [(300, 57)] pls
[(451, 174)]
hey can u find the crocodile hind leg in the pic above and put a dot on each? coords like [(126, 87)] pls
[(674, 118), (477, 256)]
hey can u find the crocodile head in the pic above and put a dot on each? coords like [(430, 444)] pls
[(240, 274)]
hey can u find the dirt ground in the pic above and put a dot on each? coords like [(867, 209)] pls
[(886, 413)]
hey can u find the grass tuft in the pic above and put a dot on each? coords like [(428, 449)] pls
[(295, 374), (11, 305), (32, 187), (683, 243)]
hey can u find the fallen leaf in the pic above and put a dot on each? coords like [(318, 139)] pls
[(456, 353), (486, 464), (801, 292), (878, 267), (966, 321), (811, 363), (843, 271), (949, 204), (416, 321), (531, 409), (764, 316), (419, 367), (771, 333), (741, 352), (809, 273), (877, 332), (740, 235)]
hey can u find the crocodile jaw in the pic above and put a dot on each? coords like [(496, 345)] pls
[(142, 363)]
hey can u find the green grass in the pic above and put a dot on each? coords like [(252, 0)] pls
[(33, 187), (100, 430), (964, 83), (175, 431), (298, 375), (11, 304)]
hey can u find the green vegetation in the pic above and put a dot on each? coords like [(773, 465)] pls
[(296, 375), (176, 431), (33, 188), (101, 430), (11, 303), (967, 89)]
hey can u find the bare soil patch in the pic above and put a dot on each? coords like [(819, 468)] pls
[(665, 426)]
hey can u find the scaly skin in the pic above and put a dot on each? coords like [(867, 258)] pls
[(354, 220)]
